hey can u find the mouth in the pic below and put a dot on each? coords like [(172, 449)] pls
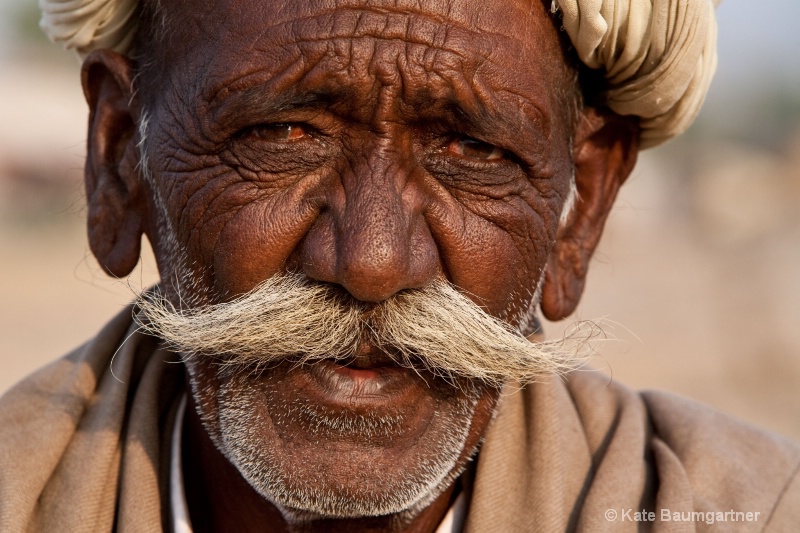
[(369, 375), (366, 402), (366, 380), (363, 400)]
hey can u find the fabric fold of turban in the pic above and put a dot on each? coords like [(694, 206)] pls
[(86, 25), (658, 56)]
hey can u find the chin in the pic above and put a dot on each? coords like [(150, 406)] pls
[(342, 441)]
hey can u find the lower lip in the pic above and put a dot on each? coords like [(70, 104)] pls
[(348, 385)]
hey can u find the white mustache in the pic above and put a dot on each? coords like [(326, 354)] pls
[(292, 318)]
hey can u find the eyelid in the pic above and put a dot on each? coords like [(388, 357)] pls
[(263, 131), (457, 143)]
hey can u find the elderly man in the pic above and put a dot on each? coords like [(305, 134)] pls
[(357, 208)]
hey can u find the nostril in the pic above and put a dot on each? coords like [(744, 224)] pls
[(339, 293)]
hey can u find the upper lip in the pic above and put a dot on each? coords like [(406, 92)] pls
[(367, 357)]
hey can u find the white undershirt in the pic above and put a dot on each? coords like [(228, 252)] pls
[(453, 521), (177, 495)]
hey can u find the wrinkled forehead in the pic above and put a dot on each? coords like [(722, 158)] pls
[(429, 21), (205, 51)]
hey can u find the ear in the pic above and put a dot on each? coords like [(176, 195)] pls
[(114, 189), (605, 151)]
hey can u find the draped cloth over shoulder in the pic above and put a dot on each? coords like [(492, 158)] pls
[(83, 445), (86, 449), (658, 56)]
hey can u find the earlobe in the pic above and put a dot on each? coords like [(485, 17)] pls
[(606, 147), (114, 189)]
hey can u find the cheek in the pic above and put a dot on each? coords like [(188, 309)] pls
[(204, 385), (482, 416), (235, 233), (257, 241), (496, 249)]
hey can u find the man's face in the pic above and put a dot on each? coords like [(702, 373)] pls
[(372, 145)]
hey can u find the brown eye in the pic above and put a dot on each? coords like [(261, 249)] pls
[(280, 132), (474, 149)]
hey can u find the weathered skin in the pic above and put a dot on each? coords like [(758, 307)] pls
[(373, 145)]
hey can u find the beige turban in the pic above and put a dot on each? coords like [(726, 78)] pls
[(658, 56), (86, 25)]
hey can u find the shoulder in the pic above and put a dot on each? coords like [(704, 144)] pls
[(726, 463), (729, 463), (75, 433)]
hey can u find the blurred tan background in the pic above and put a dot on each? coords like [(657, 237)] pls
[(697, 280)]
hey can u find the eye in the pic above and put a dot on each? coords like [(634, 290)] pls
[(475, 149), (280, 133)]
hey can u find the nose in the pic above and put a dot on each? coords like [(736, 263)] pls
[(373, 239)]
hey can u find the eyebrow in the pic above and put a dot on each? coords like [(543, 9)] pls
[(528, 122), (262, 100)]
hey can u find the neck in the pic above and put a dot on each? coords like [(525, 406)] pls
[(220, 499)]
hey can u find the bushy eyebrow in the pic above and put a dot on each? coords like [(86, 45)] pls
[(473, 118), (512, 123), (507, 113), (262, 102), (266, 101)]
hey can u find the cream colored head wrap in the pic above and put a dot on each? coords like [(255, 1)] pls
[(658, 56), (86, 25)]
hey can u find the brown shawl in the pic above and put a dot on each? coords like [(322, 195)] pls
[(84, 446)]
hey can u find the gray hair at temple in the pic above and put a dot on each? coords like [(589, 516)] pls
[(657, 56)]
